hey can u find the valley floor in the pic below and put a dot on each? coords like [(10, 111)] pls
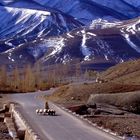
[(123, 125), (122, 122), (4, 134)]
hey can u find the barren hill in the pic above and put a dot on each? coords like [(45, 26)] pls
[(125, 73)]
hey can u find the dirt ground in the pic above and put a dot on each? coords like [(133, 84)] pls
[(4, 134), (123, 125), (81, 92), (69, 96)]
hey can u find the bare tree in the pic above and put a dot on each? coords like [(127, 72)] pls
[(38, 76), (3, 75), (16, 78), (78, 70), (29, 79), (86, 74)]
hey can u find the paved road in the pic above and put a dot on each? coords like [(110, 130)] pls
[(63, 126)]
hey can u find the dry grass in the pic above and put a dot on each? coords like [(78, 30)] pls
[(121, 81), (125, 73), (122, 78), (81, 92)]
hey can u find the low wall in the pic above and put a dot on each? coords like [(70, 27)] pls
[(22, 127)]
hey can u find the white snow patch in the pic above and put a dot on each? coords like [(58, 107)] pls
[(105, 49), (121, 60), (57, 59), (20, 45), (25, 40), (92, 34), (131, 43), (66, 59), (71, 36), (20, 56), (106, 57), (83, 32), (9, 44), (59, 45), (56, 45), (10, 50), (131, 29), (9, 57), (41, 33), (28, 11), (39, 17), (34, 41), (10, 54), (84, 48), (101, 23)]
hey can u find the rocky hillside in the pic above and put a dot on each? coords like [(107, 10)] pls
[(125, 73), (21, 25), (101, 42)]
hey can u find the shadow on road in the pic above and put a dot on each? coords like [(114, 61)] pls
[(49, 115)]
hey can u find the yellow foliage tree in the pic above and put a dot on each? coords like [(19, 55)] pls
[(29, 79)]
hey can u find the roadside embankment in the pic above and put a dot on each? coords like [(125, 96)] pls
[(18, 127)]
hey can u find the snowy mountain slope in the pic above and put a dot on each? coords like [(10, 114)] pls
[(84, 10), (5, 2), (111, 44), (20, 25), (59, 31), (126, 7), (87, 10), (118, 43)]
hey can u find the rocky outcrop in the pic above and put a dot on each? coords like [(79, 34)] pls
[(129, 101)]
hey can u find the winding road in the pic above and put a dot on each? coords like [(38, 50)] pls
[(63, 126)]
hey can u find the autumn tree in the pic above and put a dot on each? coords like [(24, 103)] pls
[(29, 79), (86, 74), (3, 76), (38, 76), (51, 77), (78, 70), (16, 78)]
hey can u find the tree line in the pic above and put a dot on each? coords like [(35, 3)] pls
[(32, 78)]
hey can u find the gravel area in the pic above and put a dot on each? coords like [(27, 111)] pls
[(4, 135), (125, 125)]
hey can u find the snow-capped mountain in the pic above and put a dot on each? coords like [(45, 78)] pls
[(113, 43), (20, 25), (58, 31), (87, 10), (84, 10)]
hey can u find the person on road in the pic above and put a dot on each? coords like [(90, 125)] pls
[(46, 105)]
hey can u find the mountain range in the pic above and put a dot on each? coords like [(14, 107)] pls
[(60, 31)]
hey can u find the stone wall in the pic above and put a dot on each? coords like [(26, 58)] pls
[(22, 127)]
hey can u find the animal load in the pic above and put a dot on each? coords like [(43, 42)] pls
[(50, 112)]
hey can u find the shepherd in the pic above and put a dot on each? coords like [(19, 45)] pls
[(46, 105)]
